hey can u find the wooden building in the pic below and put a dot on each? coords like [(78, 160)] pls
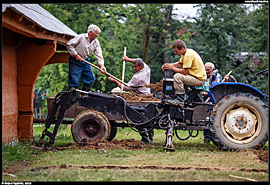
[(31, 39)]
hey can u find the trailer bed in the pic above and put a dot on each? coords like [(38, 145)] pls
[(75, 109)]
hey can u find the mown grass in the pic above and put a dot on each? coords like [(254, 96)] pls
[(203, 162)]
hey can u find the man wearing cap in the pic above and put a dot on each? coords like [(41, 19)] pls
[(80, 47)]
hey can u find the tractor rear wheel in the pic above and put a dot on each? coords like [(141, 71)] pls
[(239, 121), (90, 125)]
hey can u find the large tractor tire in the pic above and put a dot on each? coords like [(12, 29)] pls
[(239, 121), (90, 125)]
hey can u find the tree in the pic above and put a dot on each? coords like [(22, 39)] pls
[(219, 27), (53, 77), (149, 30), (217, 32), (223, 30), (153, 19), (142, 28)]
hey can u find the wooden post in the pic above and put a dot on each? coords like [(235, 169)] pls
[(123, 71)]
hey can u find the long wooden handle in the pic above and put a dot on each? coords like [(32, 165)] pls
[(227, 75), (123, 72), (106, 73)]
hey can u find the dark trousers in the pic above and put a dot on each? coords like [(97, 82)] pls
[(206, 136), (146, 136), (77, 70)]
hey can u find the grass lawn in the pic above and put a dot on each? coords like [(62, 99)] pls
[(192, 161)]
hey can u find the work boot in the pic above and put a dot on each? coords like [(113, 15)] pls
[(86, 87), (178, 100), (144, 134), (71, 88), (151, 135)]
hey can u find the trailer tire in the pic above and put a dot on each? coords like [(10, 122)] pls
[(113, 133), (90, 125), (239, 121)]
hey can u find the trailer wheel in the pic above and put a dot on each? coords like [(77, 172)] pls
[(239, 121), (112, 134), (90, 125)]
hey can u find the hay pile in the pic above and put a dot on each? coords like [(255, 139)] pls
[(156, 87), (134, 97)]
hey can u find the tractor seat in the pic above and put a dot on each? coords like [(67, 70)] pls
[(194, 93)]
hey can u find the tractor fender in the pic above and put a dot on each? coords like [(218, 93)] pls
[(220, 89)]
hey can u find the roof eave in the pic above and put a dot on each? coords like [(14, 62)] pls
[(20, 24)]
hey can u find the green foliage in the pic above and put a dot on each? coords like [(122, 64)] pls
[(138, 27), (258, 29), (149, 30), (216, 30), (54, 77), (224, 30)]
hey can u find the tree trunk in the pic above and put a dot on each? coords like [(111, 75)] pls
[(167, 54), (146, 45), (147, 37), (218, 50)]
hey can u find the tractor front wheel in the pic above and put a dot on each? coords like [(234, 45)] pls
[(239, 121)]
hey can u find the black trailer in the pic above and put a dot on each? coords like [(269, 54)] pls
[(236, 117)]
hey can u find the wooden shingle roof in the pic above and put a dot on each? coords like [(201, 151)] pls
[(38, 15)]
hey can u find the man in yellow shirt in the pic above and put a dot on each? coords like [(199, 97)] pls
[(189, 70)]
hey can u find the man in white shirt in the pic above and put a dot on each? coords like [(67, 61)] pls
[(140, 78), (80, 47)]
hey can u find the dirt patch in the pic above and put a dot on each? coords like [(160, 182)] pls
[(156, 87), (136, 97), (131, 144), (150, 167), (121, 167), (135, 145), (262, 155)]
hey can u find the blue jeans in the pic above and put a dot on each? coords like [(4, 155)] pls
[(77, 70)]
